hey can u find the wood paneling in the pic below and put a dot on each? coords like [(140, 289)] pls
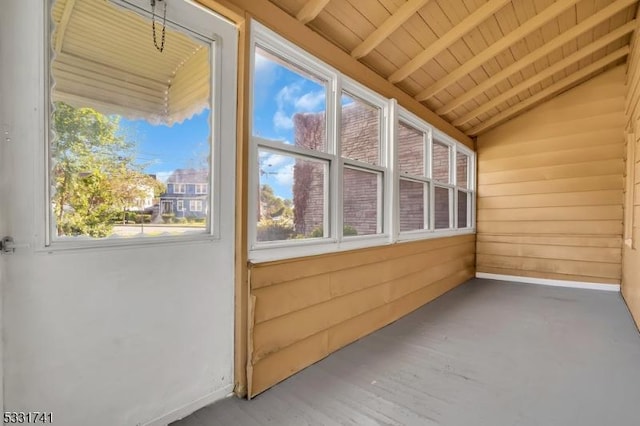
[(477, 62), (631, 248), (550, 182), (304, 309)]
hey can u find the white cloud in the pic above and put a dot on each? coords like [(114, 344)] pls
[(288, 95), (274, 160), (310, 101), (278, 168), (282, 121), (284, 175), (290, 101)]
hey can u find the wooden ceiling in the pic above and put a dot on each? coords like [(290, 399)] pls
[(477, 63)]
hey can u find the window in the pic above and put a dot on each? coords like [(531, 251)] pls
[(166, 207), (414, 186), (321, 176), (293, 160), (179, 188), (126, 136), (464, 195), (195, 205), (435, 182), (441, 173), (200, 188), (363, 171)]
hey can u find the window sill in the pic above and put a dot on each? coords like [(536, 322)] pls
[(285, 250), (80, 243)]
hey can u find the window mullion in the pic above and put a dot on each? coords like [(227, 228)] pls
[(392, 217), (337, 174), (453, 167)]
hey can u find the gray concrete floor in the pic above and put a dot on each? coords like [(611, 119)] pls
[(487, 353)]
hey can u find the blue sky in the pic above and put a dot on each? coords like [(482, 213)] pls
[(279, 93), (162, 149)]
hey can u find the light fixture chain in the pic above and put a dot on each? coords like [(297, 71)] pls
[(153, 24)]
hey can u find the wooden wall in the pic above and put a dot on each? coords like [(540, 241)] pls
[(550, 187), (631, 270), (301, 310)]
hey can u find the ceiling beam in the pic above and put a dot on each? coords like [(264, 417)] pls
[(310, 10), (560, 86), (584, 26), (548, 72), (522, 31), (61, 28), (392, 23), (450, 37)]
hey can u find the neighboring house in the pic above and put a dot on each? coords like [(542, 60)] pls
[(359, 141), (359, 135), (187, 194)]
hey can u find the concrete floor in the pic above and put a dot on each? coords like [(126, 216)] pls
[(487, 353)]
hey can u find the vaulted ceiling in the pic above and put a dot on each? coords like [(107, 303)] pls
[(477, 63)]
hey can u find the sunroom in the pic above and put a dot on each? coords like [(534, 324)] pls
[(320, 212)]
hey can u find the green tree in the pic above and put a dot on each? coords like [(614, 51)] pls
[(275, 221), (130, 186), (273, 206), (92, 168)]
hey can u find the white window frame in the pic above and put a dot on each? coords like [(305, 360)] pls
[(360, 92), (198, 203), (402, 115), (197, 22), (166, 203), (469, 190), (179, 205), (454, 147), (200, 188), (388, 167), (333, 218), (182, 188)]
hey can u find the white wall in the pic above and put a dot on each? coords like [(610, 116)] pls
[(108, 337)]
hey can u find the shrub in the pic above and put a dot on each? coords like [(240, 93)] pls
[(347, 230), (143, 217), (270, 230), (168, 217)]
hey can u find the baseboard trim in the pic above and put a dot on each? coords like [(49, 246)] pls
[(192, 407), (554, 283)]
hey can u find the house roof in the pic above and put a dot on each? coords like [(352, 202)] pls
[(477, 63), (188, 176), (104, 58)]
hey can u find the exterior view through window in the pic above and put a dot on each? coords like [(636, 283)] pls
[(336, 166), (130, 141), (290, 118)]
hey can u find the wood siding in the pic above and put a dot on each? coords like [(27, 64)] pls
[(550, 187), (304, 309), (631, 269)]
